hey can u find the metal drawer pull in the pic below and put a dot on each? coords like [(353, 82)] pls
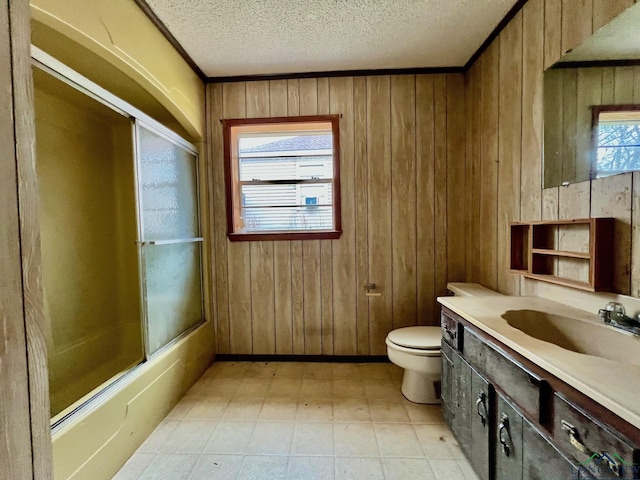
[(451, 332), (613, 466), (481, 401), (504, 425), (574, 438)]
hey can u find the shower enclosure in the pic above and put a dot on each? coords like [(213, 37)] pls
[(120, 234)]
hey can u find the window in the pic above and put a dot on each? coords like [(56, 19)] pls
[(282, 178), (617, 139)]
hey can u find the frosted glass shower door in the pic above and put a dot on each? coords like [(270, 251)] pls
[(171, 245)]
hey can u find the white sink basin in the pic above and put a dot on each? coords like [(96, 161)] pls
[(577, 335)]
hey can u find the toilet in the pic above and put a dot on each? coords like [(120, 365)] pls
[(417, 350)]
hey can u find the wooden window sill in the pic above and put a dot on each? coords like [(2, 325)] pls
[(269, 236)]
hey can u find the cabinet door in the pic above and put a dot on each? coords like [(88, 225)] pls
[(508, 442), (447, 377), (541, 460), (480, 420), (461, 408)]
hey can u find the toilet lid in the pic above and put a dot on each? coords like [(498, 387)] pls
[(422, 338)]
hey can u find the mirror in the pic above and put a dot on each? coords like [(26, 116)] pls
[(592, 106)]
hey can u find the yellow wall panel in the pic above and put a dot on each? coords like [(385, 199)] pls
[(119, 33)]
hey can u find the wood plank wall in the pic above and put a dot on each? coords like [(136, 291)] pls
[(25, 442), (403, 202), (504, 146)]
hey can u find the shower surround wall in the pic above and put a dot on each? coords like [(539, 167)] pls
[(88, 219)]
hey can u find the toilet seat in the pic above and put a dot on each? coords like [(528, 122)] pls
[(416, 338)]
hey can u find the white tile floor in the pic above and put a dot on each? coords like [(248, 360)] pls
[(286, 420)]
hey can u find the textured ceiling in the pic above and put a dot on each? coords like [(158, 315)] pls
[(618, 40), (251, 37)]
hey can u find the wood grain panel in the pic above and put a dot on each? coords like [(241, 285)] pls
[(34, 316), (425, 201), (379, 208), (238, 253), (326, 246), (589, 93), (489, 168), (297, 296), (623, 86), (311, 304), (361, 198), (474, 104), (552, 31), (550, 203), (278, 96), (262, 297), (403, 200), (605, 11), (15, 445), (440, 172), (308, 96), (455, 134), (611, 197), (532, 112), (608, 84), (343, 250), (577, 23), (293, 97), (219, 221), (509, 141), (574, 202), (312, 262), (262, 256), (470, 158), (550, 209), (297, 254), (568, 130), (310, 101)]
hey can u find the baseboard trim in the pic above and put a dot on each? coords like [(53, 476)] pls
[(226, 357)]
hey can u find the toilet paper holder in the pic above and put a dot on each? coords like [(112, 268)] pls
[(372, 290)]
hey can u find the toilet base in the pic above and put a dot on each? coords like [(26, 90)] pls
[(420, 388)]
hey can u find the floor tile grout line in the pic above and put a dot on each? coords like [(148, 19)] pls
[(369, 399)]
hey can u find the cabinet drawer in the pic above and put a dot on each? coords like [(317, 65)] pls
[(603, 454), (525, 388), (542, 461), (451, 331)]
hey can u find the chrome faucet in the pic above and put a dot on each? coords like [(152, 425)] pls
[(615, 315)]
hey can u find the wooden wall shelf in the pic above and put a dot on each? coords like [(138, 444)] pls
[(538, 250)]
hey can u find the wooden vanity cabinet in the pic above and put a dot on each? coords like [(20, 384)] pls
[(513, 420), (466, 397)]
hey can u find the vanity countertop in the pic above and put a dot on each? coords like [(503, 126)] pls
[(615, 385)]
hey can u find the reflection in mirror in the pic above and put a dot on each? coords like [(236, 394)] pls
[(602, 72), (616, 137)]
